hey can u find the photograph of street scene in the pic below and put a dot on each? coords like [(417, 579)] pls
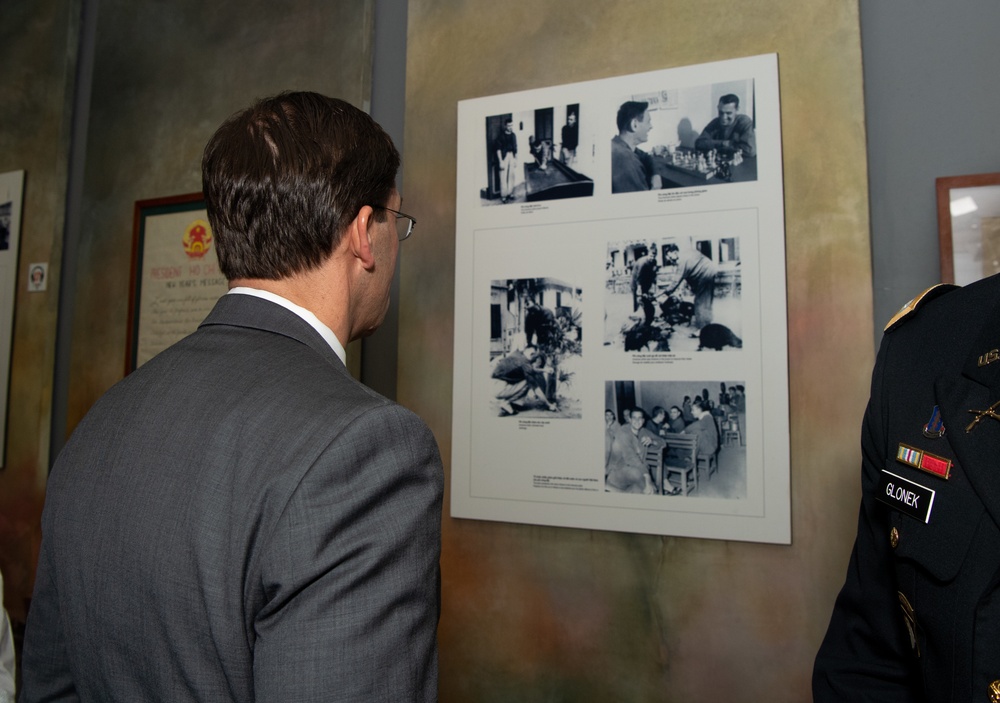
[(536, 343), (676, 294)]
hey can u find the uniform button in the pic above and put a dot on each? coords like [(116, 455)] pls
[(995, 692), (894, 541)]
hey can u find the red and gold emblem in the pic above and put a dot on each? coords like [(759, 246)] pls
[(197, 239)]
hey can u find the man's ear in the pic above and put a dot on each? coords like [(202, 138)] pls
[(359, 234)]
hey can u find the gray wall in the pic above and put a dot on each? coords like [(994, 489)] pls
[(931, 109)]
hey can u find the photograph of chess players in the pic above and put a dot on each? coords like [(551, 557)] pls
[(625, 465), (730, 132), (631, 167), (239, 519), (918, 617)]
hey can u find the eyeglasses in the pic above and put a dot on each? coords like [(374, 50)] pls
[(404, 223)]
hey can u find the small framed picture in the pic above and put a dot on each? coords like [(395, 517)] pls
[(968, 210)]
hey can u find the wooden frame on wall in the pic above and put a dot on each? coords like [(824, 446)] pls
[(175, 280), (968, 209), (175, 277)]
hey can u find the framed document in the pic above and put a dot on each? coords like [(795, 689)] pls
[(968, 210), (175, 274)]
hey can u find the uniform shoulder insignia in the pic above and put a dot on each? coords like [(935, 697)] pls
[(912, 306)]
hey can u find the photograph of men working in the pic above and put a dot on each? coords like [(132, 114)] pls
[(537, 155), (703, 456), (679, 294), (686, 137), (536, 342), (239, 519)]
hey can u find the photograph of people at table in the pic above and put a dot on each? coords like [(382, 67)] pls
[(684, 138), (675, 438)]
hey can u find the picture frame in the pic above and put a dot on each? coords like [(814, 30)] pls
[(968, 209), (557, 344), (175, 278)]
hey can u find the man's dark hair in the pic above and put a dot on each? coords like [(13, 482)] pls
[(629, 111), (658, 410), (730, 99), (285, 177), (701, 404), (632, 411)]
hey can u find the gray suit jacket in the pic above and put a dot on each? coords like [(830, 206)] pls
[(240, 520)]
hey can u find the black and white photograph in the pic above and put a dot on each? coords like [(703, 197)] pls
[(674, 294), (676, 438), (686, 137), (684, 285), (537, 155), (5, 226), (536, 341)]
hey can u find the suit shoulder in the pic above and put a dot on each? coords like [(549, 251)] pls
[(909, 310)]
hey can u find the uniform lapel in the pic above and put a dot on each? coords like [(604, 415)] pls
[(976, 388)]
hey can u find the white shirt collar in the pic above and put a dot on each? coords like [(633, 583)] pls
[(314, 322)]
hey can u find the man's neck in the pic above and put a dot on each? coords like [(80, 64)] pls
[(310, 290), (630, 139)]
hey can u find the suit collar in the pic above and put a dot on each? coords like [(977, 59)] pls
[(257, 313), (308, 315)]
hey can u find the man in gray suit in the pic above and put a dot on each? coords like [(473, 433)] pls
[(239, 519)]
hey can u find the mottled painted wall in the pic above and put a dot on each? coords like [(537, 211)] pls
[(38, 54), (547, 614), (166, 74)]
